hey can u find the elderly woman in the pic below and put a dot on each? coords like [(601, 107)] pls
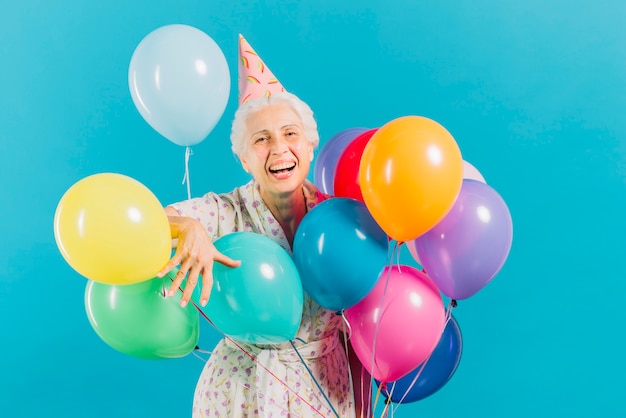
[(274, 139)]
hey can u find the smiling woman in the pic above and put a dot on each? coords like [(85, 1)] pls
[(274, 135)]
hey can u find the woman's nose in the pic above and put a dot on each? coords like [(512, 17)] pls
[(279, 146)]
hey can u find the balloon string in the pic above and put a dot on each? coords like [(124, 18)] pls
[(398, 251), (386, 409), (347, 335), (253, 358), (380, 309), (451, 304), (378, 393), (186, 179), (332, 408), (346, 323)]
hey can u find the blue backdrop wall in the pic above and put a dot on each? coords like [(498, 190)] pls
[(532, 91)]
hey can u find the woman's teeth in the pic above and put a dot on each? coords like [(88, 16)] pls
[(283, 166)]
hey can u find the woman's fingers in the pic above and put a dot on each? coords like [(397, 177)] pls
[(192, 280), (173, 262), (195, 265), (178, 279), (227, 261), (207, 285)]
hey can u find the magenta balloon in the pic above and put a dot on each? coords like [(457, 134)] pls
[(469, 246), (326, 161), (398, 324)]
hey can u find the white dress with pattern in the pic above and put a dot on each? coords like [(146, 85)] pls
[(231, 384)]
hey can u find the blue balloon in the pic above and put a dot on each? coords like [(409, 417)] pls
[(326, 162), (340, 252), (180, 82), (439, 369), (260, 301)]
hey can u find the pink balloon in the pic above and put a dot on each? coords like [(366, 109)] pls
[(398, 324)]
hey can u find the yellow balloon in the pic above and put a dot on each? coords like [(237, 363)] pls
[(112, 229), (411, 173)]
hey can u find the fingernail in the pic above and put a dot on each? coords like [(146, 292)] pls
[(203, 302), (183, 303), (159, 275), (171, 293)]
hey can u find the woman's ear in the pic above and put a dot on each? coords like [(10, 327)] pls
[(311, 152), (243, 163)]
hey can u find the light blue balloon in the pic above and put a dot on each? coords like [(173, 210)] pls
[(340, 252), (260, 301), (180, 83)]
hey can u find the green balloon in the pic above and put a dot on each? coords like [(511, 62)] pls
[(138, 319), (260, 301)]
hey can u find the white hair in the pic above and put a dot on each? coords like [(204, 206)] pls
[(238, 131)]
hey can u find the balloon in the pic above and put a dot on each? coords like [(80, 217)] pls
[(468, 247), (346, 182), (411, 173), (439, 369), (138, 319), (111, 229), (471, 173), (180, 82), (326, 161), (410, 245), (260, 301), (398, 324), (339, 250)]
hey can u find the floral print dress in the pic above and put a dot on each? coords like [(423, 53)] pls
[(249, 380)]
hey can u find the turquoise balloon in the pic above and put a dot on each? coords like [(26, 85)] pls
[(138, 319), (180, 82), (340, 252), (260, 301)]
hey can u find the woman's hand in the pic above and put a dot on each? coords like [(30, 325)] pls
[(195, 253)]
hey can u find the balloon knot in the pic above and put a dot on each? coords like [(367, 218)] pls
[(453, 303)]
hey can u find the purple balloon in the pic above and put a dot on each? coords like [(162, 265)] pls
[(326, 162), (469, 246)]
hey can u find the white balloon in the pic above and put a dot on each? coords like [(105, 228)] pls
[(470, 172)]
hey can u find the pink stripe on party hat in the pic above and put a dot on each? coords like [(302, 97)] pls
[(255, 78)]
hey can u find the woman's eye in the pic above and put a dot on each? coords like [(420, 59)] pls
[(260, 139)]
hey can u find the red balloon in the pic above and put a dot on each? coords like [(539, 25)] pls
[(346, 182)]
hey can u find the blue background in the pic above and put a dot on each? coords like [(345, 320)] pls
[(534, 93)]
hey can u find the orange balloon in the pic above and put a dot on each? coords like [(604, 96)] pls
[(411, 173)]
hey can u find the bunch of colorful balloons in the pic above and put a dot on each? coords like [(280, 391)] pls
[(113, 230), (403, 183)]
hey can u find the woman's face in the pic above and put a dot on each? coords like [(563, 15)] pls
[(276, 152)]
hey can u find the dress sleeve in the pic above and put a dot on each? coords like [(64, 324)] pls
[(219, 214)]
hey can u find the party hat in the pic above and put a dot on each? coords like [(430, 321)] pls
[(255, 78)]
